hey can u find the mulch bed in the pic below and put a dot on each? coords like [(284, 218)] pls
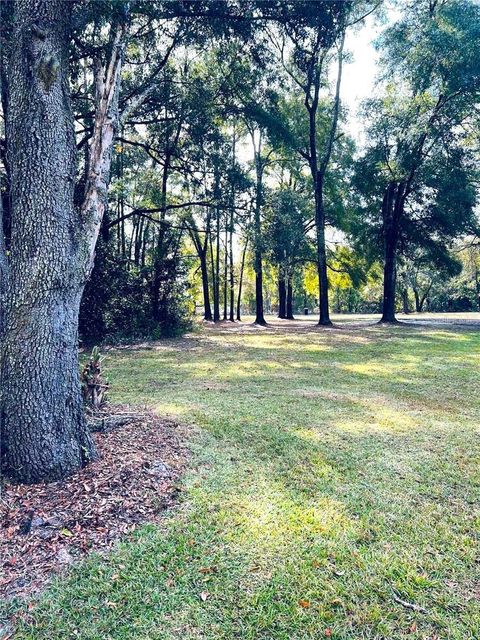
[(45, 528)]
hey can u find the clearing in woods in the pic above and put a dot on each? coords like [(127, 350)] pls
[(333, 491)]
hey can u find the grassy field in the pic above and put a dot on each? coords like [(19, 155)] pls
[(334, 473)]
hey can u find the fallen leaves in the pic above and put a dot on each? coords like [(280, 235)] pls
[(44, 528), (205, 570), (305, 604)]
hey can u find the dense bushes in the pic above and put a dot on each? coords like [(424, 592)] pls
[(117, 304)]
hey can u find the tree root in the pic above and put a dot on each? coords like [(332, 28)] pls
[(109, 422)]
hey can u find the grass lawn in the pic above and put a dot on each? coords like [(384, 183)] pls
[(333, 473)]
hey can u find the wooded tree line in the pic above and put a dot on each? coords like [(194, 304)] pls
[(201, 149)]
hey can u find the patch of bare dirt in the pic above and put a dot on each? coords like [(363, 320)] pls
[(45, 528)]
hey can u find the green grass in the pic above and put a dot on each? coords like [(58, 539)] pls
[(335, 467)]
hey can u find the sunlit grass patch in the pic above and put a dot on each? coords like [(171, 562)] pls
[(332, 472)]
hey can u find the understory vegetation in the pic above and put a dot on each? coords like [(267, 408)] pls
[(333, 491)]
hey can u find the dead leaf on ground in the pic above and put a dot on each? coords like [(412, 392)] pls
[(44, 528)]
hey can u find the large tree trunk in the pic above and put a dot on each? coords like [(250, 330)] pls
[(43, 430)]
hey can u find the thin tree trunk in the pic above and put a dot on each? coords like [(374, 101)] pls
[(406, 309), (216, 310), (206, 293), (477, 286), (232, 275), (259, 312), (202, 251), (144, 243), (225, 275), (318, 170), (216, 314), (289, 300), (282, 294), (232, 212), (391, 212), (240, 281), (43, 429), (159, 250), (417, 300), (100, 151), (324, 318), (421, 300)]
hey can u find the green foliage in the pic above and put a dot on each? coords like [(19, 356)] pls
[(117, 303), (419, 132), (287, 214)]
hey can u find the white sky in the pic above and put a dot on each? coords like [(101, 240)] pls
[(359, 75)]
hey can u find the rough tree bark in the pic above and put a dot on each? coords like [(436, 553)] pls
[(44, 434), (3, 270), (43, 429), (42, 425)]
